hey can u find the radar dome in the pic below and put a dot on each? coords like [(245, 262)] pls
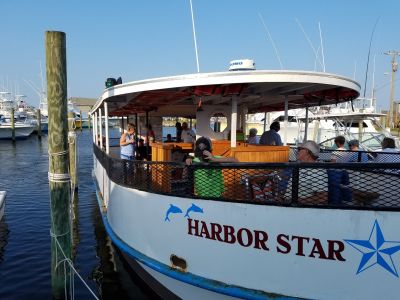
[(242, 65)]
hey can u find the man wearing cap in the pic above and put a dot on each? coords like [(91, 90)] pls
[(313, 182), (308, 152)]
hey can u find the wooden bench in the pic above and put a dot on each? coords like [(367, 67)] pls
[(163, 175)]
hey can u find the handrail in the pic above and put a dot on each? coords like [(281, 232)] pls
[(370, 186)]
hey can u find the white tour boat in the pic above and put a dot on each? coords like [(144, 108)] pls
[(261, 228)]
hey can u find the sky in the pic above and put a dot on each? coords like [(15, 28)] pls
[(154, 38)]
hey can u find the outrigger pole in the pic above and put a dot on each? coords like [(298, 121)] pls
[(194, 36)]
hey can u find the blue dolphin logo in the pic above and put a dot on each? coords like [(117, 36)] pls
[(193, 208), (172, 210)]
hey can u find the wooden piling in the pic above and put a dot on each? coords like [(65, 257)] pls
[(80, 116), (12, 125), (89, 121), (39, 117), (72, 151), (59, 182)]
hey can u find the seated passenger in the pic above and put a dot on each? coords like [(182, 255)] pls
[(340, 155), (169, 139), (272, 137), (391, 154), (356, 156), (312, 182), (253, 138), (208, 182)]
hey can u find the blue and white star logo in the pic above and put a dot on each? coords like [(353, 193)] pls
[(376, 250)]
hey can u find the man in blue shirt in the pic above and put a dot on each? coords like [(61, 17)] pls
[(271, 137), (356, 156)]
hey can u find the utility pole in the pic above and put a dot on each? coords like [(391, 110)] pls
[(392, 117)]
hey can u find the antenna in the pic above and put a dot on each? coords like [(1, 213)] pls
[(41, 76), (194, 36), (272, 41), (355, 70), (309, 41), (322, 46), (392, 113), (373, 88), (369, 52), (373, 80)]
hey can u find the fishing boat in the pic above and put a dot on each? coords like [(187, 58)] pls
[(2, 203), (21, 129), (260, 228), (356, 120), (22, 125)]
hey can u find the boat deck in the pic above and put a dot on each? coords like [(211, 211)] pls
[(345, 185)]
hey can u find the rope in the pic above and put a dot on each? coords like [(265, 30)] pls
[(59, 177), (59, 153), (65, 177), (70, 263)]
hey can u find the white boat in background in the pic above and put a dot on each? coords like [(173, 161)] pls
[(353, 120), (22, 123), (2, 203), (22, 129), (235, 236)]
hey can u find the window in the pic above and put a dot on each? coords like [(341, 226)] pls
[(218, 122)]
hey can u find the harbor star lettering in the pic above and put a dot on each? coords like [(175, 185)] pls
[(260, 239)]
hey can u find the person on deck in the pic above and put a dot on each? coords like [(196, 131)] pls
[(149, 135), (312, 182), (188, 135), (178, 127), (272, 137), (169, 139), (356, 156), (340, 155), (208, 182), (253, 138), (390, 153), (127, 143), (141, 150)]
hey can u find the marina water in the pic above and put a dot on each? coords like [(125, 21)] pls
[(25, 254)]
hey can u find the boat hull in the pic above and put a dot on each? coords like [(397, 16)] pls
[(21, 131), (229, 249)]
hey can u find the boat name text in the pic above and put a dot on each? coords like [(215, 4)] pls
[(259, 239)]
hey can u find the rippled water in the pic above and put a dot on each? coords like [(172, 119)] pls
[(25, 254)]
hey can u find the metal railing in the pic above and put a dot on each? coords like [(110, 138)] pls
[(356, 185)]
